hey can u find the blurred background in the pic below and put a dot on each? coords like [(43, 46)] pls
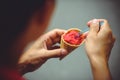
[(76, 13)]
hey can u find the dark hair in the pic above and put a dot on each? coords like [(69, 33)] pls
[(14, 15)]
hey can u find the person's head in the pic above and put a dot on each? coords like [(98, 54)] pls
[(21, 21)]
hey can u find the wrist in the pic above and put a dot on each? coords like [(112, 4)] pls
[(98, 57), (98, 60), (22, 65), (100, 69), (21, 69)]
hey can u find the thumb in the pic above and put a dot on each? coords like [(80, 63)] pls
[(94, 26), (55, 53), (85, 34)]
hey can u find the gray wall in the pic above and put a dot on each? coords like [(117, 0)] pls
[(76, 13)]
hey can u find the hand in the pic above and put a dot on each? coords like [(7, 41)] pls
[(98, 44), (41, 51), (99, 41)]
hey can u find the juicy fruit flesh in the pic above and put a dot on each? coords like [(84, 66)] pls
[(74, 37)]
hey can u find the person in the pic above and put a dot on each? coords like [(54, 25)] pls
[(25, 21)]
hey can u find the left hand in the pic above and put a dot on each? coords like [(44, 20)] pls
[(41, 51)]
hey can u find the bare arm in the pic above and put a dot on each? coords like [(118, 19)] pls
[(99, 43), (100, 69)]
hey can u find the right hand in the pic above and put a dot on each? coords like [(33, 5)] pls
[(99, 42)]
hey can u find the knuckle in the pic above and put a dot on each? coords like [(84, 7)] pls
[(56, 29)]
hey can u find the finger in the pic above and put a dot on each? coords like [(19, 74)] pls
[(55, 35), (86, 33), (55, 53), (94, 27), (105, 22), (105, 27), (89, 22), (52, 36), (54, 47)]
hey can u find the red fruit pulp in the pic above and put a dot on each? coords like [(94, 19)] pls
[(74, 37)]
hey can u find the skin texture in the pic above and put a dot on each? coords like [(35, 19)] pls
[(98, 45)]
